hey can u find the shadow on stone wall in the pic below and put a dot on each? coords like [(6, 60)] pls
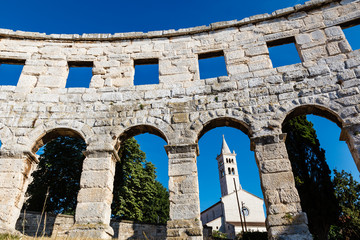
[(33, 224), (124, 230)]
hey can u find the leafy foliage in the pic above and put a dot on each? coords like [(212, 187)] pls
[(312, 176), (252, 236), (137, 195), (219, 235), (347, 192), (58, 172)]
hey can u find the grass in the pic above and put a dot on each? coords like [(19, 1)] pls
[(7, 236)]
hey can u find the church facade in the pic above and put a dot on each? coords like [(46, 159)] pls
[(238, 210)]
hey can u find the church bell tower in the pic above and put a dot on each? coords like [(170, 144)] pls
[(228, 172)]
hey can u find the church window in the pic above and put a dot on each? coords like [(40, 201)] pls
[(233, 171), (245, 211), (229, 170)]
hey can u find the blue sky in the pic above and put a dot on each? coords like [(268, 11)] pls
[(106, 16)]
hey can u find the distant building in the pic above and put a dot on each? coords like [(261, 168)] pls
[(224, 215)]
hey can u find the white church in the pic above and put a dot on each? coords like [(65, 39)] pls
[(224, 216)]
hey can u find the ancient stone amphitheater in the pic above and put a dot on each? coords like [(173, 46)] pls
[(254, 97)]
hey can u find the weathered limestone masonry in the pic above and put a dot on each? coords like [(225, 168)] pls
[(254, 97)]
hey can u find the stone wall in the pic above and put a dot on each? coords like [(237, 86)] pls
[(130, 230), (34, 224), (51, 225), (254, 97)]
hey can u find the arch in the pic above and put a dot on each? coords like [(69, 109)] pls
[(47, 131), (54, 133), (316, 110), (140, 129), (224, 122)]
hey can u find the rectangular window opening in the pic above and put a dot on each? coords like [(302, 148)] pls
[(212, 64), (283, 52), (10, 71), (146, 71), (352, 33), (80, 74)]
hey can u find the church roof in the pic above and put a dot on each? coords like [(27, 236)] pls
[(225, 148)]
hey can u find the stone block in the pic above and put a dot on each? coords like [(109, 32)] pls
[(273, 166), (333, 48), (180, 118), (296, 231), (280, 180), (184, 211), (88, 195), (97, 179), (303, 38), (182, 169), (297, 75), (99, 164), (257, 50), (111, 97), (272, 197), (260, 65), (12, 165), (51, 81), (283, 208), (92, 213), (13, 180), (314, 53), (345, 46), (156, 94), (289, 196), (286, 219)]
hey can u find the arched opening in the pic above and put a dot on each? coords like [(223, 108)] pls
[(54, 182), (140, 190), (229, 179), (315, 151)]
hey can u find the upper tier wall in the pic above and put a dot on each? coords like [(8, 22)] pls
[(308, 6)]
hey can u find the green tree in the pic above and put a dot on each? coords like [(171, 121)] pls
[(137, 195), (347, 192), (58, 173), (312, 176)]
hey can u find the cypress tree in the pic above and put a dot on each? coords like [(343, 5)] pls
[(312, 176), (138, 196)]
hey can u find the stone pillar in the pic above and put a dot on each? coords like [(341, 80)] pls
[(184, 220), (15, 169), (93, 210), (351, 134), (285, 219)]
